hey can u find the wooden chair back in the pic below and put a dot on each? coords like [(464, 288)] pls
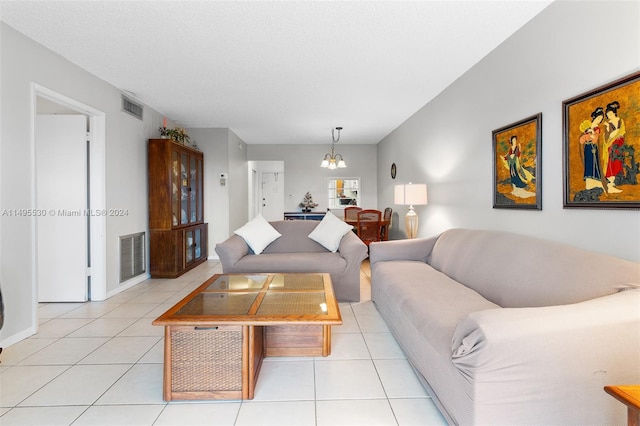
[(351, 212), (384, 233), (369, 224)]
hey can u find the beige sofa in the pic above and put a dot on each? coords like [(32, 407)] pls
[(508, 329), (294, 251)]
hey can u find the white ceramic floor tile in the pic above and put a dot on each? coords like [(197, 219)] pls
[(143, 327), (279, 381), (42, 416), (131, 310), (348, 379), (141, 385), (161, 309), (91, 310), (54, 310), (121, 350), (60, 327), (355, 413), (103, 327), (153, 297), (417, 412), (399, 379), (199, 414), (23, 349), (286, 413), (364, 307), (121, 415), (79, 385), (349, 325), (155, 355), (18, 383), (383, 346), (348, 346), (65, 351), (371, 323), (123, 297)]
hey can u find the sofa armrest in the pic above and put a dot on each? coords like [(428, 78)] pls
[(417, 249), (232, 250), (352, 249), (564, 354)]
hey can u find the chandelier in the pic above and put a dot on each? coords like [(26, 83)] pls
[(333, 160)]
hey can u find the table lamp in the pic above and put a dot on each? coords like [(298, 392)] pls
[(411, 194)]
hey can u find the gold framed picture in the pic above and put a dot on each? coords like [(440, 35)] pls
[(517, 155), (602, 146)]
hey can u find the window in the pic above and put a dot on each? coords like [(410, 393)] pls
[(344, 192)]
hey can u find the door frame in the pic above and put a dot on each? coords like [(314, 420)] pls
[(97, 189)]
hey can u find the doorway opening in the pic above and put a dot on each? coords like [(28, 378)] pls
[(266, 189), (92, 246)]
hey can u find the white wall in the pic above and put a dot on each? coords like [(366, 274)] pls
[(224, 152), (24, 62), (570, 48), (303, 172)]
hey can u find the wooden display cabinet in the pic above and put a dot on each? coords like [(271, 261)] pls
[(177, 232)]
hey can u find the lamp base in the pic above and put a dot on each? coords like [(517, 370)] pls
[(411, 223)]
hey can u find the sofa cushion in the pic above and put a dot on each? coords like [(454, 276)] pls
[(515, 271), (293, 262), (330, 231), (258, 234), (295, 237), (425, 301)]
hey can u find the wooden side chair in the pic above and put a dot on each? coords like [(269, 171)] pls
[(369, 224), (384, 232), (351, 213)]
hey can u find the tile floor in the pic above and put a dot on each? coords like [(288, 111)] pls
[(100, 363)]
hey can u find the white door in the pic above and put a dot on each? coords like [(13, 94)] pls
[(61, 203), (272, 195)]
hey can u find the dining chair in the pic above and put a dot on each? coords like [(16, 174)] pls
[(369, 223), (350, 213), (386, 224)]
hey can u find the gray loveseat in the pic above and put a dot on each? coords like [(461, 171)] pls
[(509, 329), (294, 251)]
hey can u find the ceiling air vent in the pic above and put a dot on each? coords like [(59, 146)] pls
[(132, 107)]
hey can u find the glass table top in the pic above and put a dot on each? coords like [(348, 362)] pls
[(246, 298)]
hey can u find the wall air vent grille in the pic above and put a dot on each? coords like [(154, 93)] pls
[(132, 256), (132, 107)]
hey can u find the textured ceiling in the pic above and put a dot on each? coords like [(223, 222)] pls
[(276, 71)]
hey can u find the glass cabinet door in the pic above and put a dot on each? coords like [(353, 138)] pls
[(189, 247), (184, 185), (193, 245), (199, 190), (193, 200), (197, 245), (175, 188)]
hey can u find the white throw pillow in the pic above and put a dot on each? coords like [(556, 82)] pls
[(330, 231), (258, 234)]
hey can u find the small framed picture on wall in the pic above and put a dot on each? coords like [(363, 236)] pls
[(517, 155)]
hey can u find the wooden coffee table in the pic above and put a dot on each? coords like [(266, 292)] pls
[(216, 337)]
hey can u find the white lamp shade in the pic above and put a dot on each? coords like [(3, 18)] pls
[(412, 194)]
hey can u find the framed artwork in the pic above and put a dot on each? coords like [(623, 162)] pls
[(517, 156), (602, 146)]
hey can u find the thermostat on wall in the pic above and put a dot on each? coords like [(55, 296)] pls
[(223, 179)]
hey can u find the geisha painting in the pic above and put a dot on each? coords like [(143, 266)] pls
[(516, 160), (602, 146)]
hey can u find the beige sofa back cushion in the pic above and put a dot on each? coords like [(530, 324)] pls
[(515, 271), (295, 237)]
